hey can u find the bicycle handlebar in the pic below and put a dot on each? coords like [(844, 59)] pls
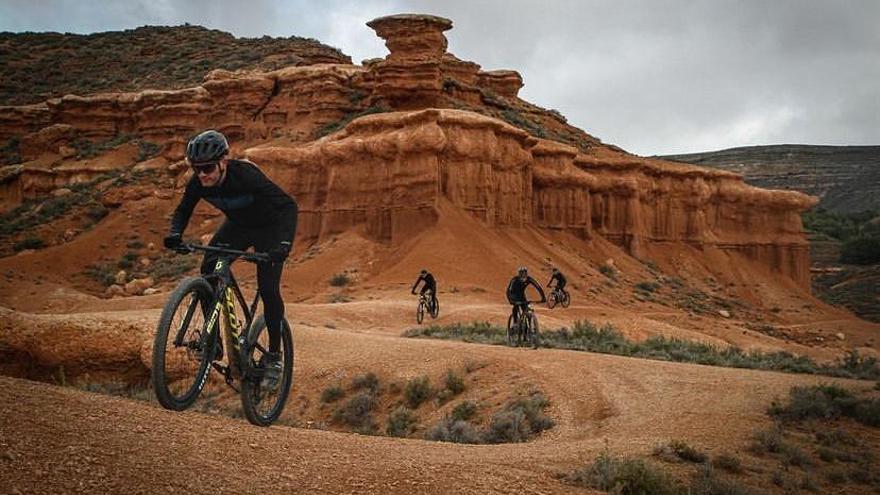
[(244, 255)]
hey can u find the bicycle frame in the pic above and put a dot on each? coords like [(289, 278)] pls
[(225, 295)]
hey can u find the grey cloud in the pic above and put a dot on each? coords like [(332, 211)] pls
[(652, 76)]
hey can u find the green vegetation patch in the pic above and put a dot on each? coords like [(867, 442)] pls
[(586, 336)]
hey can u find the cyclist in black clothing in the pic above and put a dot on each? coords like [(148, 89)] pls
[(516, 291), (560, 279), (258, 213), (430, 285)]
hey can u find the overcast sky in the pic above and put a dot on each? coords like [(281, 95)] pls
[(651, 76)]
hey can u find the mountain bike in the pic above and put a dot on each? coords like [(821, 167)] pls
[(429, 305), (188, 342), (525, 329), (557, 296)]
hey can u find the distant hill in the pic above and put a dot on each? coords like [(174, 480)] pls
[(39, 66), (845, 178)]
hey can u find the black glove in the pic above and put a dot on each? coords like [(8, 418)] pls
[(173, 241), (280, 253)]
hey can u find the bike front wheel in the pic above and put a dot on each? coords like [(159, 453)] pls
[(551, 301), (420, 312), (512, 330), (180, 361), (533, 335), (263, 402)]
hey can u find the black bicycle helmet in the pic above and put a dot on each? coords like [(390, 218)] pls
[(522, 271), (424, 271), (209, 146)]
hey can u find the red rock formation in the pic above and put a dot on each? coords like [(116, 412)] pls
[(407, 162), (506, 83), (389, 173)]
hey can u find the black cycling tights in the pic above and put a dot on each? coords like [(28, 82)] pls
[(268, 274)]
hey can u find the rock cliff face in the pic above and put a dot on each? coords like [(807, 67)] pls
[(446, 133), (409, 162)]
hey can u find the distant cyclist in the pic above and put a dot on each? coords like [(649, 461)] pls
[(430, 286), (258, 213), (516, 291), (559, 278)]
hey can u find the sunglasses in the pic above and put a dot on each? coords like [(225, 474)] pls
[(204, 168)]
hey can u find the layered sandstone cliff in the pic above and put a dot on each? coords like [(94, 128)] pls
[(407, 163), (389, 172)]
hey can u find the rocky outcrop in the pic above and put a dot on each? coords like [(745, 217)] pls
[(506, 83), (408, 162)]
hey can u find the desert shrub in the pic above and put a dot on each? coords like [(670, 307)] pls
[(586, 336), (679, 450), (835, 438), (516, 119), (331, 394), (95, 211), (826, 402), (455, 431), (128, 259), (769, 440), (831, 454), (608, 271), (464, 411), (521, 419), (707, 483), (482, 332), (837, 476), (368, 381), (401, 422), (793, 455), (332, 127), (625, 476), (171, 267), (28, 243), (358, 412), (647, 286), (147, 150), (417, 390), (340, 280), (339, 298), (103, 273), (727, 462), (454, 382)]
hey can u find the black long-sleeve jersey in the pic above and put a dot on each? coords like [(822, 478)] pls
[(430, 283), (246, 196), (516, 289), (559, 278)]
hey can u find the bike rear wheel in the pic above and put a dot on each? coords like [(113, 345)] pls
[(180, 361), (263, 405), (435, 308), (566, 299), (420, 312)]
